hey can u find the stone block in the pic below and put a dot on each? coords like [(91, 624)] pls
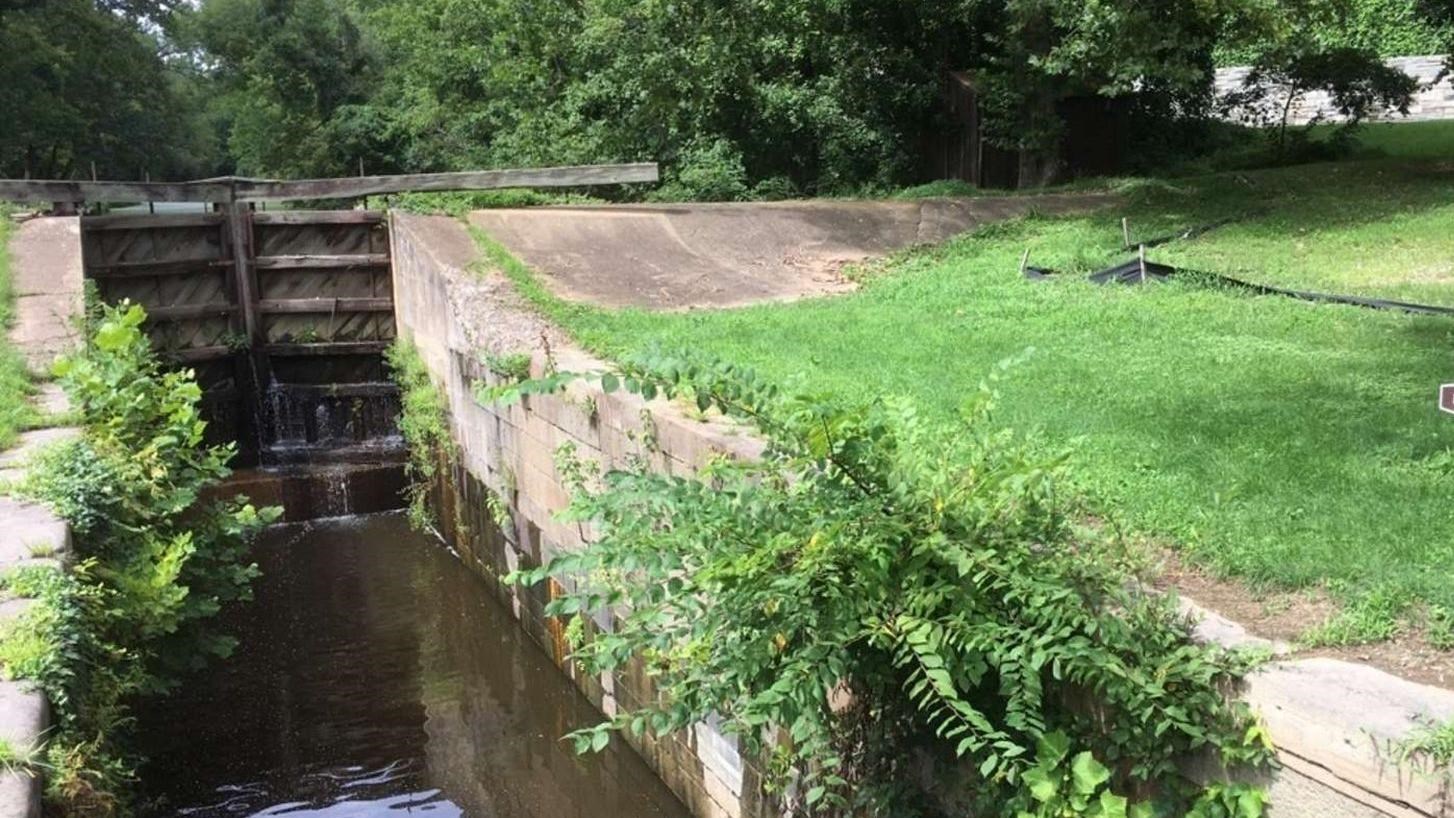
[(29, 530), (30, 443), (719, 755), (1340, 718), (1210, 627), (723, 798), (12, 610), (24, 715), (19, 795), (51, 399)]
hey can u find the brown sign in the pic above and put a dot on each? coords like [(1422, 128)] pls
[(1446, 398)]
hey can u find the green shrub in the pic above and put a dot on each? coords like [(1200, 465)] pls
[(457, 203), (424, 423), (707, 170), (513, 367), (154, 560), (944, 188), (904, 601)]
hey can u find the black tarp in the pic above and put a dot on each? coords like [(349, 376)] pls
[(1137, 272)]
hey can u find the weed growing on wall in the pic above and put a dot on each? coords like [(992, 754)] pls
[(513, 367), (1428, 749), (154, 561), (16, 412), (902, 617), (424, 423)]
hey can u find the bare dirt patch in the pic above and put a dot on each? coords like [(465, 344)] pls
[(1286, 615)]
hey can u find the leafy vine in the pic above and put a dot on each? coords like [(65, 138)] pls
[(881, 600)]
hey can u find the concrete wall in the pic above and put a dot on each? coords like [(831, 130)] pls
[(1334, 722), (1432, 102)]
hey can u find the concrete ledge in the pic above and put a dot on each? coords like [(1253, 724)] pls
[(24, 719), (1336, 725), (1343, 719), (46, 264)]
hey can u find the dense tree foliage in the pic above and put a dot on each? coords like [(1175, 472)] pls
[(736, 98), (1388, 28), (291, 78), (93, 82)]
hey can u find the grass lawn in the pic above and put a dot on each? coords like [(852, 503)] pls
[(1410, 140), (15, 412), (1286, 443)]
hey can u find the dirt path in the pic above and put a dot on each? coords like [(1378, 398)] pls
[(668, 257)]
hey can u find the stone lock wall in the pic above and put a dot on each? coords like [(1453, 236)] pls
[(452, 315)]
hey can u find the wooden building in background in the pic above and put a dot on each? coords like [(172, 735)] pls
[(1094, 142)]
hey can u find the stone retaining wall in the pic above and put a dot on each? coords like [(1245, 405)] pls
[(1332, 721), (46, 268), (1431, 102), (30, 535)]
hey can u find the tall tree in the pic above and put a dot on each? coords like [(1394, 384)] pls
[(87, 83), (293, 77)]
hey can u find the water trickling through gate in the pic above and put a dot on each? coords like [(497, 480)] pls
[(283, 316)]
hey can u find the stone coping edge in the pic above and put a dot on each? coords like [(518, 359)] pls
[(30, 535)]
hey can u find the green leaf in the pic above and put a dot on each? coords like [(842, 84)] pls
[(1112, 805), (112, 336), (1041, 784), (1051, 748), (1250, 802), (610, 383), (600, 739), (1086, 774)]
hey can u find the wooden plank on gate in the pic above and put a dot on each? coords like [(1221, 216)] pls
[(59, 190), (142, 268), (200, 354), (319, 217), (134, 221), (183, 312), (229, 189), (285, 306), (315, 261), (327, 348), (239, 231)]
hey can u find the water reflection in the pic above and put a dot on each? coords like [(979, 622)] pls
[(375, 675)]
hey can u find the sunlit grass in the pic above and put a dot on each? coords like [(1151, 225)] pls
[(1287, 443)]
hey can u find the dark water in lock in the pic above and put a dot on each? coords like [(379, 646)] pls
[(375, 677)]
